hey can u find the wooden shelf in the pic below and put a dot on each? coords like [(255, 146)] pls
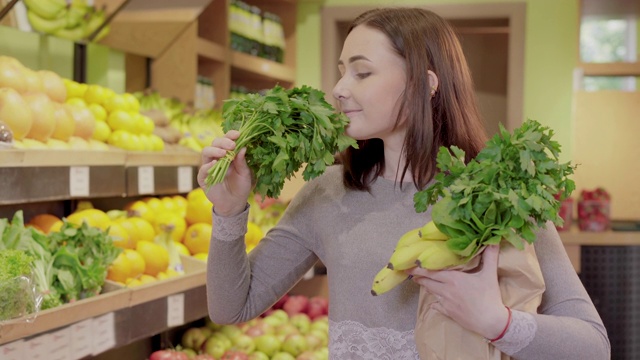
[(32, 158), (212, 51), (605, 238), (261, 69)]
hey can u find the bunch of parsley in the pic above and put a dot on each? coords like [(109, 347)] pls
[(507, 191), (282, 130)]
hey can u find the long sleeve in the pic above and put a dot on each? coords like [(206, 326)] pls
[(567, 325), (239, 286)]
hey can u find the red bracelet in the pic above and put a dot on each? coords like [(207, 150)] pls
[(505, 328)]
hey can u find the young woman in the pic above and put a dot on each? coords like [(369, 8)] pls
[(407, 90)]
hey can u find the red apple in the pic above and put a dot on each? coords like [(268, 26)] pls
[(234, 355), (280, 302), (296, 304), (168, 354)]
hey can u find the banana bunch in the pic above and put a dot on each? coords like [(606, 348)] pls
[(74, 21), (425, 247)]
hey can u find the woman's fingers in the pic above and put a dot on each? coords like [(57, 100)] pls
[(203, 173)]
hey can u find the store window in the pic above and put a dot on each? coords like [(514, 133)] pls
[(609, 45)]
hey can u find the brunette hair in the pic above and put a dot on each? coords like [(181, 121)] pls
[(426, 42)]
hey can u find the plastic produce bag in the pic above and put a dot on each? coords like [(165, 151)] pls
[(19, 299)]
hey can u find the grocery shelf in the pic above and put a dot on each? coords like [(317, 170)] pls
[(245, 65), (605, 238), (46, 175), (211, 50)]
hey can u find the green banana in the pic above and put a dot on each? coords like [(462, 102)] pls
[(46, 9), (430, 232), (75, 34), (96, 19), (438, 256), (43, 25), (387, 279), (75, 16), (404, 257)]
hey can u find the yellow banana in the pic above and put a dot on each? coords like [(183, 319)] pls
[(409, 237), (405, 257), (437, 256), (46, 9), (387, 279), (43, 25), (430, 232)]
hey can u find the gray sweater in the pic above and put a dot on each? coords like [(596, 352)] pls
[(353, 233)]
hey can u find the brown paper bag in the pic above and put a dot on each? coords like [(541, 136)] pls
[(521, 284)]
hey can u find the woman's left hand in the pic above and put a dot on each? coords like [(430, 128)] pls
[(473, 299)]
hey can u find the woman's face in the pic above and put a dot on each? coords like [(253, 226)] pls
[(372, 81)]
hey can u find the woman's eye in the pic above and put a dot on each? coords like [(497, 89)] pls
[(363, 75)]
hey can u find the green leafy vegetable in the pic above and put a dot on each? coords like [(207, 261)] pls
[(282, 130), (507, 191), (17, 295)]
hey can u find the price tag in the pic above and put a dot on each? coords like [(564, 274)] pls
[(60, 341), (79, 181), (82, 345), (146, 180), (13, 350), (185, 179), (175, 310), (38, 347), (104, 333)]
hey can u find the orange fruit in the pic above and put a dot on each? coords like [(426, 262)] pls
[(156, 257), (145, 229), (197, 238), (198, 209), (120, 269), (45, 222), (120, 236), (167, 219), (137, 262)]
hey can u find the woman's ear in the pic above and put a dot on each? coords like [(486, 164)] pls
[(433, 82)]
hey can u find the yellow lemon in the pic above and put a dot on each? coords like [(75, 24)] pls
[(198, 210), (173, 221), (145, 229), (93, 217), (120, 236), (162, 275), (120, 138), (131, 282), (120, 269), (101, 132), (171, 272), (132, 102), (140, 209), (201, 256), (154, 204), (169, 204), (131, 228), (254, 234), (76, 101), (181, 248), (155, 257), (98, 112), (197, 238), (121, 120), (158, 143), (145, 279), (115, 103), (94, 94), (137, 263)]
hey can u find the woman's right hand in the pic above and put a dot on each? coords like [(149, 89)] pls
[(229, 197)]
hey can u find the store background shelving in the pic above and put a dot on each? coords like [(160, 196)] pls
[(158, 45)]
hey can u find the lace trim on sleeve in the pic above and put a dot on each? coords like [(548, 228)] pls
[(351, 340), (230, 228), (520, 333)]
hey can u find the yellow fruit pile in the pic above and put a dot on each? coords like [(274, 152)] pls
[(33, 105), (118, 120)]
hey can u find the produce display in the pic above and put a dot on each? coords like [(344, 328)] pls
[(594, 210), (46, 111), (74, 20), (296, 327), (177, 123), (506, 192), (282, 130)]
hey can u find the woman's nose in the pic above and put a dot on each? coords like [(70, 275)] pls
[(339, 91)]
